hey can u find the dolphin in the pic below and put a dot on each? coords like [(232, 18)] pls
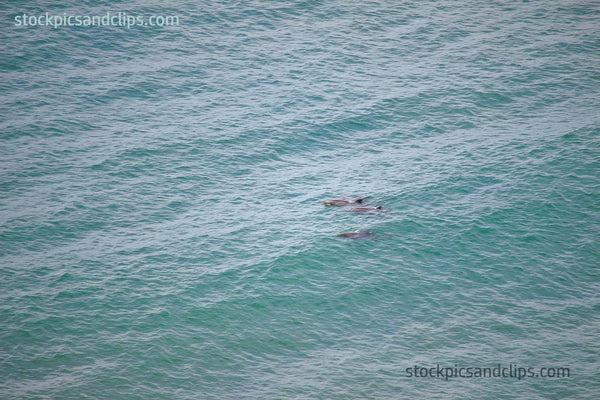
[(343, 202), (356, 234), (367, 210)]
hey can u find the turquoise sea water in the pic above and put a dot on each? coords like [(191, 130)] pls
[(162, 227)]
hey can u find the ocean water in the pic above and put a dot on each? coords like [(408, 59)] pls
[(162, 227)]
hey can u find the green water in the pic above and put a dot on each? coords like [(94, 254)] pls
[(163, 233)]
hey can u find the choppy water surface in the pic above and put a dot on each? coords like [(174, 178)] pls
[(163, 232)]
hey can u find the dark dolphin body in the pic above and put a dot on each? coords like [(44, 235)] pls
[(367, 210), (343, 202), (356, 235)]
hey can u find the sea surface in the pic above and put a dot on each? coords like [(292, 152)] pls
[(162, 227)]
